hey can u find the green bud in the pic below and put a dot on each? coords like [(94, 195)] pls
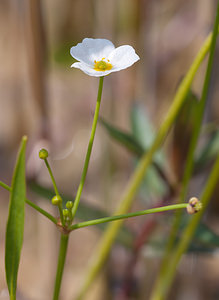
[(43, 154), (65, 212), (56, 200), (69, 204)]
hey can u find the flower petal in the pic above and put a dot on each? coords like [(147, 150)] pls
[(89, 70), (92, 49), (123, 57)]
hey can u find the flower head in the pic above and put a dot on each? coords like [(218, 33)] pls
[(99, 57)]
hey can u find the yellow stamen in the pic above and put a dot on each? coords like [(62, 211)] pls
[(102, 65)]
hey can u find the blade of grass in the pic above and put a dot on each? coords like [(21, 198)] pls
[(15, 224), (161, 291), (160, 284)]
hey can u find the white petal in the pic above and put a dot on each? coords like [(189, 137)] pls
[(92, 49), (89, 70), (123, 57)]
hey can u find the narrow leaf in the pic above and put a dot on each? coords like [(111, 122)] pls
[(15, 224), (142, 128), (123, 138), (154, 184), (205, 240), (208, 153), (182, 133)]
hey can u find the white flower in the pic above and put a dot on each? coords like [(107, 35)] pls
[(99, 57)]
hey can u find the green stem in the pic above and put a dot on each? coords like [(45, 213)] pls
[(56, 190), (89, 149), (160, 292), (109, 236), (61, 262), (129, 215), (12, 296), (30, 203), (52, 177), (189, 163)]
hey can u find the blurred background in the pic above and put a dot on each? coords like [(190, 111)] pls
[(42, 97)]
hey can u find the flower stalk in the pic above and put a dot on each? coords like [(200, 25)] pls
[(129, 215), (61, 263), (89, 149), (56, 191)]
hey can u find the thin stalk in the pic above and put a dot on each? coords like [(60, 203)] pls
[(163, 286), (52, 177), (56, 190), (30, 203), (89, 149), (129, 215), (61, 263), (190, 160), (110, 234)]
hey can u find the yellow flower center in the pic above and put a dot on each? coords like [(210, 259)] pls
[(102, 65)]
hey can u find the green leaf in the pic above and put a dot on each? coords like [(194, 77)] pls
[(153, 183), (144, 132), (205, 240), (15, 224), (142, 128), (123, 138), (208, 153), (182, 133)]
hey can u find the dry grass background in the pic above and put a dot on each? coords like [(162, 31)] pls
[(42, 97)]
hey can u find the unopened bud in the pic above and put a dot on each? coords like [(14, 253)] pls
[(43, 154), (56, 200), (194, 206), (69, 204), (65, 212)]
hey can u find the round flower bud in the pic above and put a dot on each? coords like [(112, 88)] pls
[(65, 212), (56, 200), (194, 206), (43, 154), (69, 204)]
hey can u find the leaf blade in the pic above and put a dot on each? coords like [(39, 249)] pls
[(124, 138), (15, 223)]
